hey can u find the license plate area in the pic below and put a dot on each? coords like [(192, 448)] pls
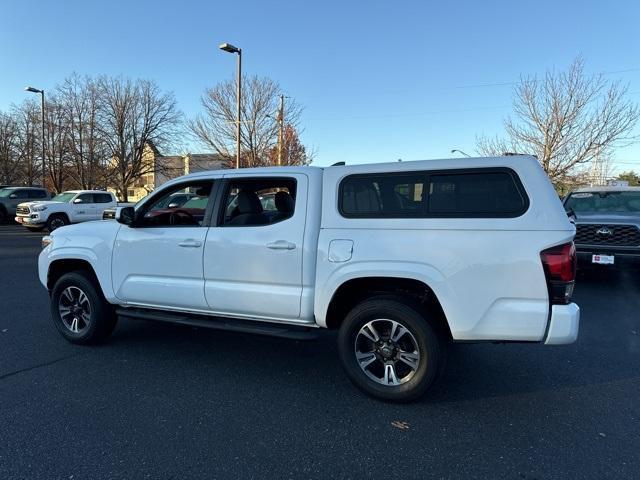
[(602, 259)]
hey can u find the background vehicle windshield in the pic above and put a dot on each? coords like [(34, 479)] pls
[(63, 197), (604, 202), (5, 192), (197, 202)]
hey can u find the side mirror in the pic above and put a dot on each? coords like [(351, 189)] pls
[(77, 200), (13, 195), (126, 215), (173, 205)]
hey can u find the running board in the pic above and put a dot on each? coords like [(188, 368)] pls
[(271, 329)]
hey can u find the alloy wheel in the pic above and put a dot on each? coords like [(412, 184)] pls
[(57, 223), (75, 309), (387, 352)]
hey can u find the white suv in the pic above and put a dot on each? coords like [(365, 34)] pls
[(73, 206), (400, 258)]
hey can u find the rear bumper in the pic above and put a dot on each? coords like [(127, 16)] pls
[(563, 325), (585, 251), (621, 259)]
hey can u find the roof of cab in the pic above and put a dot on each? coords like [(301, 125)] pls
[(465, 162)]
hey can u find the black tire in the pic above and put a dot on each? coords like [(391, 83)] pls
[(57, 220), (423, 338), (92, 326)]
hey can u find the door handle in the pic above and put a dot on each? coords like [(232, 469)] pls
[(190, 244), (281, 245)]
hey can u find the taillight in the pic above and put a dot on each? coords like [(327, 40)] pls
[(559, 265)]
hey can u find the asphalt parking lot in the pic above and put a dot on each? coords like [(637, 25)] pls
[(172, 402)]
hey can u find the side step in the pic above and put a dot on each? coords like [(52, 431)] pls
[(293, 332)]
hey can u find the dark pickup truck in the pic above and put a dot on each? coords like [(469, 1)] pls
[(607, 223)]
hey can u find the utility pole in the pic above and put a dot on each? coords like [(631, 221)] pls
[(281, 129)]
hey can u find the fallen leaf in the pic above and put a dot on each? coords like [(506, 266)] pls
[(400, 424)]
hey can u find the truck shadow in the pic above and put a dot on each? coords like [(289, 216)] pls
[(311, 369)]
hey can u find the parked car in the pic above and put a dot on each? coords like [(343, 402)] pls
[(607, 223), (73, 206), (400, 258), (10, 197)]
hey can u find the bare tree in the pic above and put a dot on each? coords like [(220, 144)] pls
[(567, 119), (27, 117), (9, 164), (216, 127), (80, 100), (57, 143), (134, 115), (293, 151)]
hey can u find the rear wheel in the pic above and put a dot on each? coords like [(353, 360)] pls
[(79, 310), (389, 350), (56, 221)]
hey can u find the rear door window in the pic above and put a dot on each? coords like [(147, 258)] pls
[(102, 197), (257, 201)]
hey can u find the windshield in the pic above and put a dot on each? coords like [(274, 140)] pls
[(5, 192), (63, 197), (603, 202)]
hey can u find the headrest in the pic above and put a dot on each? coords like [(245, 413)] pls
[(248, 202), (284, 202)]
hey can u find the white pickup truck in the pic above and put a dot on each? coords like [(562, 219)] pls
[(73, 206), (400, 258)]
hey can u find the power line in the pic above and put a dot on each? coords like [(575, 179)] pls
[(416, 114), (479, 85)]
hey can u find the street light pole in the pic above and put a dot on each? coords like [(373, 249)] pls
[(227, 47), (460, 151), (41, 92)]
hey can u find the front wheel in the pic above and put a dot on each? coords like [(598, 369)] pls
[(389, 350), (79, 310), (56, 221)]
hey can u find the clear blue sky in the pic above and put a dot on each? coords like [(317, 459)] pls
[(379, 80)]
